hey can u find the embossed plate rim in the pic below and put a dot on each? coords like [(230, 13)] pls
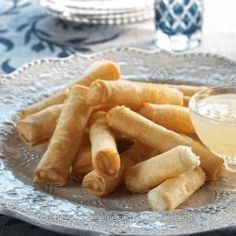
[(56, 226), (26, 66)]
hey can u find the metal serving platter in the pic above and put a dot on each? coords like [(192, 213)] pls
[(69, 209)]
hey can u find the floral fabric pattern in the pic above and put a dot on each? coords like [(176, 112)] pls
[(29, 32)]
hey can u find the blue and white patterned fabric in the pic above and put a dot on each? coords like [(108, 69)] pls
[(29, 32), (25, 34)]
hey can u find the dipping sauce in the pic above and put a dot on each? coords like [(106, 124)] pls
[(215, 123)]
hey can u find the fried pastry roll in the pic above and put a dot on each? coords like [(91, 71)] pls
[(100, 184), (105, 156), (103, 69), (148, 174), (186, 101), (172, 117), (160, 138), (54, 167), (39, 127), (174, 191), (131, 94), (187, 90), (82, 163)]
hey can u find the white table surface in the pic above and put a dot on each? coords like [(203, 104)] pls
[(219, 29)]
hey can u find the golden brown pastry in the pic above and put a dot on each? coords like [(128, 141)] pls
[(148, 174), (100, 184), (187, 90), (186, 101), (39, 127), (160, 138), (132, 94), (82, 163), (174, 191), (103, 69), (170, 116), (105, 156), (54, 167)]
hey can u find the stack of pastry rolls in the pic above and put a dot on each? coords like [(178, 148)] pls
[(84, 122)]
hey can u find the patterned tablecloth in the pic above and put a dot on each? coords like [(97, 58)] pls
[(28, 32)]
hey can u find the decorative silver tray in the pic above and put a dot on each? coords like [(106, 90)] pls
[(70, 209), (105, 12)]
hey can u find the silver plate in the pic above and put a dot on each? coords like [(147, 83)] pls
[(87, 13), (70, 209)]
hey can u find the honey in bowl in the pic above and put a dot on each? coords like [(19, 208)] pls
[(213, 113)]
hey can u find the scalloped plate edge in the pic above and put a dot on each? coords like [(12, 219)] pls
[(63, 229), (26, 66)]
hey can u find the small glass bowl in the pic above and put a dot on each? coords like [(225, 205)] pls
[(213, 114)]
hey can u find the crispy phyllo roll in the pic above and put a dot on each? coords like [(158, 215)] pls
[(160, 138), (132, 94), (54, 167), (105, 156), (39, 127), (103, 69), (100, 184), (174, 191), (172, 117), (82, 163), (148, 174), (187, 90)]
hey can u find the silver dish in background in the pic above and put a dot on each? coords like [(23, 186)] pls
[(69, 209), (108, 12), (111, 6)]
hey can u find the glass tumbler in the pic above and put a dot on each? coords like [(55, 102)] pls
[(178, 24)]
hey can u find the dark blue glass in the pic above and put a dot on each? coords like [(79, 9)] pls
[(178, 16)]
